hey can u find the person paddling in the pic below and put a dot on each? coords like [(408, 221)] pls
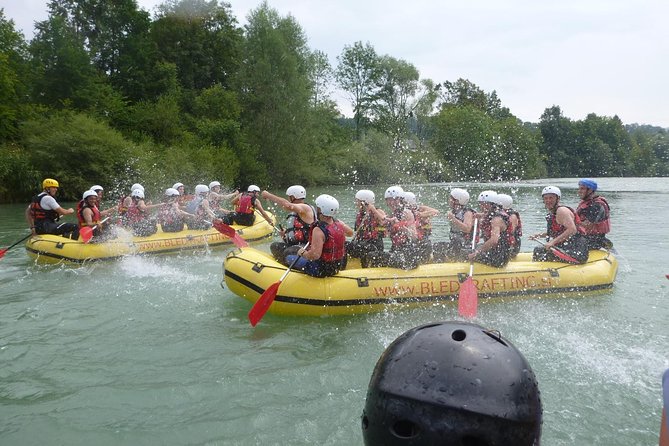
[(595, 215), (44, 212)]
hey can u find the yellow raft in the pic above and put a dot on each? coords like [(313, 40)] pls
[(55, 249), (248, 272)]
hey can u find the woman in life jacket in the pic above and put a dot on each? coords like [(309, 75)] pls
[(562, 231), (516, 232), (368, 228), (43, 213), (295, 234), (138, 216), (461, 218), (125, 202), (401, 229), (595, 215), (326, 254), (88, 214), (494, 229), (170, 216), (198, 207), (216, 198), (423, 218), (245, 205)]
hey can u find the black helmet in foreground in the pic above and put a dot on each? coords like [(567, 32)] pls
[(452, 383)]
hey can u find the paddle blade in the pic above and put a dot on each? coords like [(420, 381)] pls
[(86, 233), (263, 303), (563, 255), (468, 299), (2, 252), (230, 232)]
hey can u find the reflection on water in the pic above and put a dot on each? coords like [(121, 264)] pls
[(152, 350)]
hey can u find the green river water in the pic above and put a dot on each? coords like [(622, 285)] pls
[(152, 350)]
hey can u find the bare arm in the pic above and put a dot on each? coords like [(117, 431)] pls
[(564, 217), (29, 219), (315, 248), (258, 206)]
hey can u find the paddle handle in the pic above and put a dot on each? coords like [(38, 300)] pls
[(292, 264), (558, 252), (471, 264)]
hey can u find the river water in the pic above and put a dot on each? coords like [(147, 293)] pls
[(151, 350)]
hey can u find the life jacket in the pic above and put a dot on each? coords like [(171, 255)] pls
[(80, 215), (517, 233), (423, 225), (397, 231), (367, 227), (134, 214), (334, 247), (459, 214), (297, 230), (122, 208), (166, 214), (554, 228), (600, 227), (42, 214), (245, 203), (486, 226)]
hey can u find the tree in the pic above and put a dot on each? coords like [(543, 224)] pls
[(321, 75), (558, 142), (13, 74), (358, 73)]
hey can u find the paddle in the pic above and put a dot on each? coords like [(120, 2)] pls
[(559, 253), (230, 232), (86, 232), (266, 298), (468, 295), (3, 251)]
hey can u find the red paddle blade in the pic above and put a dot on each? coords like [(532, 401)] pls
[(86, 233), (230, 232), (564, 256), (2, 252), (468, 299), (263, 303)]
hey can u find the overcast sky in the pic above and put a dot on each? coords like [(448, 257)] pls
[(607, 57)]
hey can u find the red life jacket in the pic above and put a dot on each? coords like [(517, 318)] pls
[(554, 228), (134, 214), (366, 226), (397, 231), (80, 215), (245, 203), (334, 247), (518, 232), (600, 227), (486, 226), (297, 230), (166, 214), (42, 214)]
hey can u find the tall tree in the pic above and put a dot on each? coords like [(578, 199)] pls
[(558, 142), (201, 38), (358, 72), (321, 76), (13, 76)]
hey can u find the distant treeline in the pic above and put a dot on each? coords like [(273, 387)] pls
[(107, 94)]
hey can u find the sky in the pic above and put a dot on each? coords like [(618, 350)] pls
[(609, 57)]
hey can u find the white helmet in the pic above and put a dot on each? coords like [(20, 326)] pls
[(213, 184), (253, 188), (171, 192), (410, 198), (551, 190), (89, 193), (328, 205), (488, 196), (201, 189), (96, 188), (136, 186), (177, 185), (296, 191), (365, 195), (504, 200), (394, 192), (139, 193), (461, 195)]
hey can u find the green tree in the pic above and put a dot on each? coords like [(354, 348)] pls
[(358, 72), (558, 143), (13, 77)]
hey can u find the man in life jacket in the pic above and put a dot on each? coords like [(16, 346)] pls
[(245, 205), (326, 254), (298, 221), (461, 218), (138, 215), (88, 213), (170, 215), (125, 202), (506, 201), (563, 231), (216, 198), (368, 228), (198, 207), (401, 228), (44, 212), (422, 215), (494, 229), (594, 212)]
